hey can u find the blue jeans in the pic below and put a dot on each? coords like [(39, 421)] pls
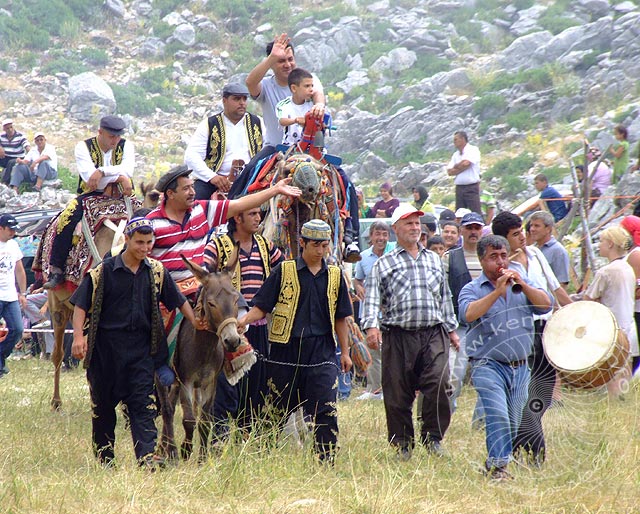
[(344, 380), (502, 391), (10, 311)]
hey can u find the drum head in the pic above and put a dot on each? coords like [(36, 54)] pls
[(579, 335)]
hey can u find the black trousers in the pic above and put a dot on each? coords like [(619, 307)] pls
[(243, 401), (415, 360), (305, 381), (128, 377), (468, 197), (204, 190), (64, 239), (530, 436)]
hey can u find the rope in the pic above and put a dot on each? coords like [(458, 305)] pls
[(224, 323), (295, 364)]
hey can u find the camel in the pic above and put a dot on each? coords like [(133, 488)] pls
[(85, 256), (151, 196)]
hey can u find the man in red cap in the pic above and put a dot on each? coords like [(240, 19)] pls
[(408, 310)]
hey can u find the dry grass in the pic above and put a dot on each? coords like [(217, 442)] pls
[(46, 464)]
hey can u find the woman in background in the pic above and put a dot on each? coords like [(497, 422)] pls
[(614, 286)]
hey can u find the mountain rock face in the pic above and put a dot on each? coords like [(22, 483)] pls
[(400, 78)]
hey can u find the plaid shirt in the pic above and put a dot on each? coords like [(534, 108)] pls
[(408, 293)]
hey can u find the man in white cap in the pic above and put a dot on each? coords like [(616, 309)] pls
[(409, 312), (13, 145), (223, 143), (40, 164), (309, 303)]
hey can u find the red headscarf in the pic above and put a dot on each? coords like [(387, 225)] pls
[(632, 225)]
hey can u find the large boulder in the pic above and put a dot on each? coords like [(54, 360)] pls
[(90, 97), (185, 33)]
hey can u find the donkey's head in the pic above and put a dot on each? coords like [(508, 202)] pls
[(218, 302)]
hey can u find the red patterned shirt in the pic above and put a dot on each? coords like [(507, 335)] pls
[(188, 238)]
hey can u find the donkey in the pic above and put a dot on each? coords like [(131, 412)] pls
[(198, 360)]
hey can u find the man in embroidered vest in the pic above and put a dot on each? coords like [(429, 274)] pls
[(125, 343), (223, 143), (105, 163), (408, 310), (257, 258), (309, 303)]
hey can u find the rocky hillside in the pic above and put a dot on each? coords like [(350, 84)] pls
[(528, 81)]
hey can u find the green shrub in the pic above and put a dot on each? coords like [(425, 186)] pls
[(490, 105), (63, 65), (512, 185), (162, 30), (132, 99), (4, 64), (522, 119), (426, 66), (557, 24), (375, 49), (157, 80), (95, 56), (621, 116), (556, 173), (167, 104), (511, 166), (69, 180)]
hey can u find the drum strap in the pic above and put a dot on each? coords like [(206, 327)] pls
[(556, 305)]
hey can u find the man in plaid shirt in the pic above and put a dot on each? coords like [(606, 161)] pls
[(408, 311)]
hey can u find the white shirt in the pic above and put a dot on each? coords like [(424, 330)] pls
[(236, 147), (541, 274), (287, 108), (472, 174), (10, 254), (48, 150), (270, 94), (86, 168)]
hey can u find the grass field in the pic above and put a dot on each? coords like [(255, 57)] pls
[(46, 464)]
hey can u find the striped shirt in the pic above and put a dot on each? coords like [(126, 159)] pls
[(187, 238), (252, 273), (409, 293), (15, 147)]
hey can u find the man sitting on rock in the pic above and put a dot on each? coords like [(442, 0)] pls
[(12, 146), (40, 164)]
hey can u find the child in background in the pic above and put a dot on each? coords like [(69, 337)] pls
[(620, 152), (436, 244), (292, 110)]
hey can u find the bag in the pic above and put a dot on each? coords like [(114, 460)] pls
[(358, 351)]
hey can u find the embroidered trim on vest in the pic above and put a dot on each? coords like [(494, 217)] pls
[(217, 144), (225, 246), (97, 157), (156, 274), (286, 307)]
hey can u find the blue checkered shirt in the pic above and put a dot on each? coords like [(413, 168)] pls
[(408, 293)]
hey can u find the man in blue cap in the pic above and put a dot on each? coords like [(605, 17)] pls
[(309, 303), (223, 143), (105, 164)]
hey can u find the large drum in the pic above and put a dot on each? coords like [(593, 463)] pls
[(585, 344)]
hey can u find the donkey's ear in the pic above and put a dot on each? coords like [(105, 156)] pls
[(198, 271), (233, 258)]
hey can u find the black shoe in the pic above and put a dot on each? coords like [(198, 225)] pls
[(404, 453), (352, 254), (435, 448), (55, 279)]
